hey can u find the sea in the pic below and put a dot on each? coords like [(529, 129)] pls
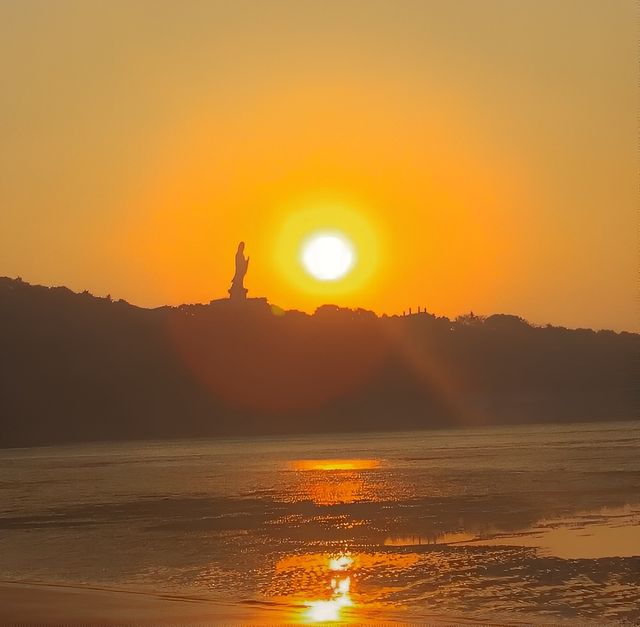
[(520, 524)]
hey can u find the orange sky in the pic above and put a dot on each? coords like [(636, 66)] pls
[(489, 146)]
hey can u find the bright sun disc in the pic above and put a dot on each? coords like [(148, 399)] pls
[(327, 256), (328, 250)]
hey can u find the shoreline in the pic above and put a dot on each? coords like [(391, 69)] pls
[(42, 603), (30, 602)]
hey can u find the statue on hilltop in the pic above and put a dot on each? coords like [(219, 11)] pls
[(238, 291)]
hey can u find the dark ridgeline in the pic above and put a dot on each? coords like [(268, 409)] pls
[(74, 367)]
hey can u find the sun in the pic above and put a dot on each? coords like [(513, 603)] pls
[(326, 249), (327, 256)]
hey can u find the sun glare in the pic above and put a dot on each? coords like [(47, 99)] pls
[(326, 248), (330, 610), (342, 562), (327, 256)]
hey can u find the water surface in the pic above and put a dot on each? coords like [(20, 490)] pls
[(535, 523)]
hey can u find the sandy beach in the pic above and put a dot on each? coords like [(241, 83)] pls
[(39, 603), (35, 603)]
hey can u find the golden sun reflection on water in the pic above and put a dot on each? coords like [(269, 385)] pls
[(335, 464), (325, 580), (325, 586), (339, 481), (347, 490), (331, 609)]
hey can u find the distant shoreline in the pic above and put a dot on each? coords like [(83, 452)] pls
[(325, 434)]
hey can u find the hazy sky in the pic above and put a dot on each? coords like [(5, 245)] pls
[(490, 147)]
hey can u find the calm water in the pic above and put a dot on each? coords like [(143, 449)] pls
[(531, 523)]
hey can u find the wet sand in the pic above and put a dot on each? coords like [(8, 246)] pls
[(36, 603)]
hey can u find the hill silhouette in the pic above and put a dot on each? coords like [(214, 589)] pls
[(74, 367)]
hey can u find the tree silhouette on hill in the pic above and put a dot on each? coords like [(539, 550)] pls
[(74, 367)]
